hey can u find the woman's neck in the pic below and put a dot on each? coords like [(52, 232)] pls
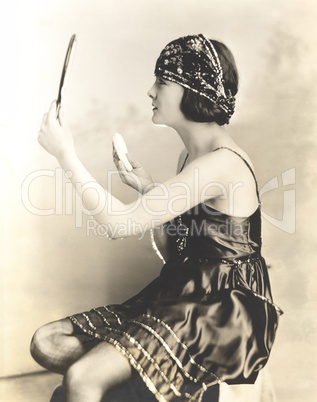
[(201, 138)]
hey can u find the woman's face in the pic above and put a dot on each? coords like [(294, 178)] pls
[(166, 100)]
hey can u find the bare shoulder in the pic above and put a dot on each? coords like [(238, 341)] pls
[(224, 163), (228, 170), (235, 153)]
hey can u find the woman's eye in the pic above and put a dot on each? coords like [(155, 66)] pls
[(161, 82)]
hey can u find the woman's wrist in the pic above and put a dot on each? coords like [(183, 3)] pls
[(147, 188), (66, 155)]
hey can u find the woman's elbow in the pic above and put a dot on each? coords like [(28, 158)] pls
[(120, 230)]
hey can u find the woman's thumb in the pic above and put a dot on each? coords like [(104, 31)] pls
[(61, 116)]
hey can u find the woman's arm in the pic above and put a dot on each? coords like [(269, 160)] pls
[(57, 139), (200, 180)]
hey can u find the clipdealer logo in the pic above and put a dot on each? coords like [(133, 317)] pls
[(66, 202), (288, 222)]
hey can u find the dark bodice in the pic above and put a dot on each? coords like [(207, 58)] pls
[(205, 232)]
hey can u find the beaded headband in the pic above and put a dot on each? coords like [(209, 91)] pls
[(192, 61)]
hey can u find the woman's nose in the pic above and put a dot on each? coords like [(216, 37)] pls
[(151, 92)]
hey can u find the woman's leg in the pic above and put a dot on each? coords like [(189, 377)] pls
[(55, 347), (95, 373)]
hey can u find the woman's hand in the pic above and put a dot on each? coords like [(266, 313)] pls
[(138, 178), (54, 135)]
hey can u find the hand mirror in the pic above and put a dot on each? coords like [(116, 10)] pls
[(66, 67)]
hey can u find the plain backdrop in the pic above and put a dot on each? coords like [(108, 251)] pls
[(52, 262)]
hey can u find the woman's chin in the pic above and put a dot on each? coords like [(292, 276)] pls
[(157, 122), (156, 119)]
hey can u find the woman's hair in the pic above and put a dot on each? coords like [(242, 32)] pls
[(197, 107)]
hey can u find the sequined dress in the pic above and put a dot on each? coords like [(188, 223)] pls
[(209, 316)]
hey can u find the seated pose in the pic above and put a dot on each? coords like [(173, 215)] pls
[(208, 317)]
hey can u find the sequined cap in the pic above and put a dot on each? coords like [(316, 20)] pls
[(192, 61)]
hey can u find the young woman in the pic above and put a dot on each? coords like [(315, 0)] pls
[(209, 317)]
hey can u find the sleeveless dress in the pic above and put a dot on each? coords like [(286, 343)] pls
[(209, 317)]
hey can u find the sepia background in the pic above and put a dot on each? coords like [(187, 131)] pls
[(52, 262)]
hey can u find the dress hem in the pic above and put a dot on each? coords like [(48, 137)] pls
[(149, 384)]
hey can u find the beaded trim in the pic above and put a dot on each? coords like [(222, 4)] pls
[(277, 308), (126, 353), (154, 246), (114, 314), (139, 347), (192, 360), (167, 348), (89, 322), (102, 316), (181, 241), (163, 343)]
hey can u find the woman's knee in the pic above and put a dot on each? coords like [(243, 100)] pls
[(97, 372), (75, 376), (45, 339), (80, 381), (38, 343)]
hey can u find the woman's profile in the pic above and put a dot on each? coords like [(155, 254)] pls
[(209, 316)]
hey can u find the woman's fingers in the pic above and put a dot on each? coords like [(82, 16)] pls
[(44, 119), (134, 164), (122, 167), (54, 134), (119, 164), (42, 128), (130, 178), (62, 118), (116, 160), (52, 113)]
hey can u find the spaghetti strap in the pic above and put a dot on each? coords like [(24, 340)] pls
[(185, 160), (248, 165)]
